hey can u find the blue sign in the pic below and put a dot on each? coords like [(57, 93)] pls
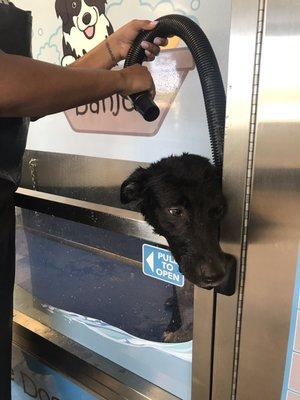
[(160, 264)]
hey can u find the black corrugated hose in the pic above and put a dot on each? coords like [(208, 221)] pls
[(208, 69)]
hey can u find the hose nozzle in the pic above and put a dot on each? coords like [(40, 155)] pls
[(143, 104)]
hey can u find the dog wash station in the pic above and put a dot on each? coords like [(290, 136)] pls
[(94, 297)]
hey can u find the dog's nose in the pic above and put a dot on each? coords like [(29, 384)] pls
[(212, 271), (213, 278), (86, 18)]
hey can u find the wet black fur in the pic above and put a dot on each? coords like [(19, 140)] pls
[(193, 184)]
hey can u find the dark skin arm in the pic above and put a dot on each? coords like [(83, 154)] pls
[(33, 88)]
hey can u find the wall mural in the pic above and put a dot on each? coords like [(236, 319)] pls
[(65, 29)]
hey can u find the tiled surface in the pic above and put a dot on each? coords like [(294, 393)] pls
[(297, 338), (291, 386), (294, 379), (294, 382), (293, 396)]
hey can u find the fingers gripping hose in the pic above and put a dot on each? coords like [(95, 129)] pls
[(208, 69)]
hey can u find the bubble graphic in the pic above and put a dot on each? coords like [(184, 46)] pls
[(50, 51), (195, 4)]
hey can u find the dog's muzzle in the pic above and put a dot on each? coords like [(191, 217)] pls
[(218, 275), (223, 282), (228, 284)]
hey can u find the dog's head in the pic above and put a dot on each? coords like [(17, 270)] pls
[(83, 14), (181, 197)]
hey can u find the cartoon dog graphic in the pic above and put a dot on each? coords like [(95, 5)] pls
[(85, 25)]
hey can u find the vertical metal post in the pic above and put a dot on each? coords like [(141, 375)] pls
[(244, 62), (202, 344), (274, 216)]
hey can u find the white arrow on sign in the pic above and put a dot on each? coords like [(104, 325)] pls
[(150, 261)]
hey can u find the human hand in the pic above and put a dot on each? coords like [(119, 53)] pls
[(136, 79), (121, 41)]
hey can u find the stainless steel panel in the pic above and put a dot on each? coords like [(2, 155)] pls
[(274, 220), (96, 180), (240, 128), (202, 343)]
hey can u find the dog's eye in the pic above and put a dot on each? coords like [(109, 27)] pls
[(175, 211), (74, 4)]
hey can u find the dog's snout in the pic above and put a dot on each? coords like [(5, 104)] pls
[(230, 261), (86, 19), (213, 276), (228, 284)]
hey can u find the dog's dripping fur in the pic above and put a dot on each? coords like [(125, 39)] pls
[(193, 185)]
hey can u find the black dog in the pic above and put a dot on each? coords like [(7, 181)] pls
[(181, 197), (85, 25)]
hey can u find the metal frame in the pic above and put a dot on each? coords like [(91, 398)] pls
[(210, 352), (232, 346), (214, 339), (243, 81), (85, 367), (262, 140), (274, 227), (129, 223), (203, 343), (96, 374), (80, 364), (95, 180)]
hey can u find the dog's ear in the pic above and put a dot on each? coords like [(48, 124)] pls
[(132, 189), (99, 4), (61, 9)]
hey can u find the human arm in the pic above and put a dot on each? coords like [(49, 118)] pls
[(34, 88)]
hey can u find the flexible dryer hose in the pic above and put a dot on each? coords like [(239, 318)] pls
[(208, 69)]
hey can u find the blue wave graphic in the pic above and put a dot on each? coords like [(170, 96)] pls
[(101, 328)]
